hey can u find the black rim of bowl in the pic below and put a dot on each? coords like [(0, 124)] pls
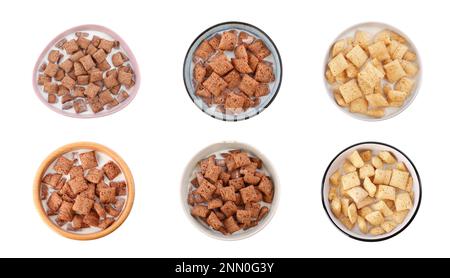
[(251, 26), (375, 239)]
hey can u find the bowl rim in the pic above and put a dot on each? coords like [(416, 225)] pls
[(418, 78), (416, 209), (248, 25), (215, 234), (98, 28), (71, 147)]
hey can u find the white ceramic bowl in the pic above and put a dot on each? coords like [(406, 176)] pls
[(337, 162), (188, 175), (373, 28), (275, 59)]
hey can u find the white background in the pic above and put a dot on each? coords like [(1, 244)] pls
[(159, 132)]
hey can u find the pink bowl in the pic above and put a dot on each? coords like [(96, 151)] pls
[(86, 28)]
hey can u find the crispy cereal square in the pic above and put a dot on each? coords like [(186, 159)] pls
[(228, 40), (215, 84), (243, 216), (227, 193), (212, 172), (249, 194), (357, 56), (63, 165), (106, 45), (338, 64), (82, 205), (233, 78), (54, 202), (234, 101), (230, 225), (88, 160), (229, 208), (379, 51), (87, 62), (51, 69), (248, 85), (259, 49), (65, 212), (264, 73), (350, 91), (94, 175), (107, 195), (77, 184), (394, 71), (71, 47), (99, 56), (111, 170), (214, 221), (204, 51), (91, 90), (200, 211), (265, 186), (220, 64), (399, 179)]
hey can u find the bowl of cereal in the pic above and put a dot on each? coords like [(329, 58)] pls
[(229, 191), (85, 72), (371, 191), (372, 71), (232, 71), (83, 191)]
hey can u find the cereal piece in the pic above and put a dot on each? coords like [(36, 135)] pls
[(243, 216), (94, 175), (221, 65), (259, 49), (366, 202), (362, 39), (200, 211), (377, 231), (377, 100), (382, 176), (63, 165), (82, 205), (338, 64), (106, 45), (87, 62), (388, 226), (105, 97), (394, 71), (206, 189), (335, 178), (215, 84), (364, 211), (371, 75), (397, 50), (338, 47), (362, 225), (234, 102), (410, 56), (351, 71), (212, 173), (345, 203), (383, 208), (332, 193), (396, 96), (366, 171), (387, 157), (214, 221), (348, 167), (237, 184), (405, 85), (410, 69), (88, 160), (330, 77), (379, 51), (357, 56), (375, 218), (400, 216), (356, 159), (336, 207), (386, 192), (204, 51), (51, 69), (230, 225), (339, 99), (241, 65), (65, 212), (123, 95), (352, 213), (71, 46), (77, 184), (54, 202), (111, 170), (248, 194), (357, 194), (228, 40), (117, 59), (350, 180), (377, 162), (399, 179), (233, 78), (350, 91), (199, 73), (248, 85), (346, 222), (107, 195), (369, 187), (403, 202), (104, 224), (264, 73), (227, 193)]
